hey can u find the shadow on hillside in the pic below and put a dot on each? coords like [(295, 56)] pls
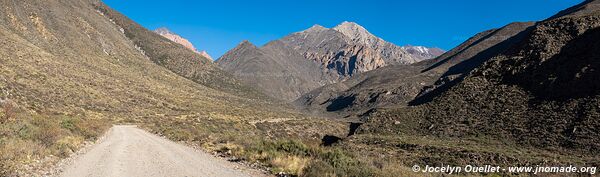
[(340, 103), (329, 140), (353, 127), (573, 73), (464, 67)]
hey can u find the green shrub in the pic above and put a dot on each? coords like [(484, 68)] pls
[(48, 131), (25, 130), (292, 147), (69, 123)]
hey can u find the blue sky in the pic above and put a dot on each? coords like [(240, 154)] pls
[(219, 25)]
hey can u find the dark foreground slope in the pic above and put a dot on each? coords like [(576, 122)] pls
[(541, 92), (535, 103), (70, 68)]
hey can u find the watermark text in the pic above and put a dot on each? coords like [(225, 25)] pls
[(447, 169)]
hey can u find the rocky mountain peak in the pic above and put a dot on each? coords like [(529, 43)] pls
[(245, 44), (315, 28), (349, 25), (243, 48), (165, 32), (355, 32)]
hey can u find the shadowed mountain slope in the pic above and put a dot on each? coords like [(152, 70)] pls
[(542, 91)]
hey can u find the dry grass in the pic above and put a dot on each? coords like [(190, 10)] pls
[(8, 111), (289, 164), (30, 137), (291, 146)]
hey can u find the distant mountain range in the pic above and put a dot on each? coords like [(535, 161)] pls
[(165, 32), (305, 60)]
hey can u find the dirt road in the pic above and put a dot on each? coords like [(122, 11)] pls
[(130, 151)]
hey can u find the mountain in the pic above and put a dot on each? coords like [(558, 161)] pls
[(277, 70), (469, 55), (349, 49), (335, 52), (403, 84), (537, 90), (176, 57), (548, 76), (423, 52), (339, 53), (391, 53), (180, 40), (97, 61)]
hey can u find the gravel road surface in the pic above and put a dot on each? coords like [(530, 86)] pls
[(129, 151)]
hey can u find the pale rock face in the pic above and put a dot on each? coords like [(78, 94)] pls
[(357, 33), (349, 49), (391, 53), (175, 38), (347, 61), (180, 40), (337, 54)]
